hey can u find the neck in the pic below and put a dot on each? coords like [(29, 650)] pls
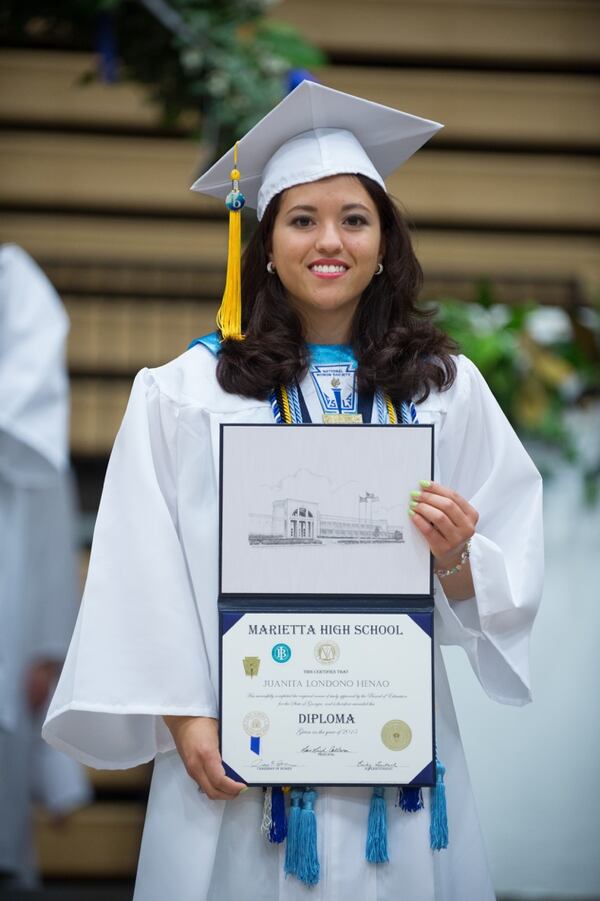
[(331, 327)]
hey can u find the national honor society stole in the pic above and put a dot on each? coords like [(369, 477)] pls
[(325, 598)]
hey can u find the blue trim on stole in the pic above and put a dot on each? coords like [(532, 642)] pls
[(321, 354), (211, 341)]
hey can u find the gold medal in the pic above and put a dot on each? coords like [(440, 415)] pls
[(342, 418)]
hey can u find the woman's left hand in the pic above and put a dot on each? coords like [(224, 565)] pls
[(446, 520)]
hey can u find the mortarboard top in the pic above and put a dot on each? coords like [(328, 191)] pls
[(380, 140)]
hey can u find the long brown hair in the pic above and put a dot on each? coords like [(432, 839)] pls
[(397, 347)]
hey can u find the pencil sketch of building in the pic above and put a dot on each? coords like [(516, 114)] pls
[(294, 521)]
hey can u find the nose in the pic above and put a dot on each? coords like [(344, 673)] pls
[(328, 238)]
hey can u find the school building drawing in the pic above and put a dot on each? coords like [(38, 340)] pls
[(295, 521)]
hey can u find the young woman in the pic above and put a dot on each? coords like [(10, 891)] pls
[(329, 290)]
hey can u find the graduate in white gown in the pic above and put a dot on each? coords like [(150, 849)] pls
[(329, 285), (38, 581)]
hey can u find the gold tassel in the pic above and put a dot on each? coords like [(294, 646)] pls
[(229, 317)]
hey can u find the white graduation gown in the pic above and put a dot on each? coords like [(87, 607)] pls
[(146, 644), (38, 580)]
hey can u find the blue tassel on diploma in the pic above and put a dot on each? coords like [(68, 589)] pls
[(376, 847), (278, 830), (410, 799), (291, 846), (438, 830), (308, 869)]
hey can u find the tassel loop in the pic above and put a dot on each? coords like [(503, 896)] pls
[(376, 847), (410, 799), (308, 869), (438, 831), (265, 825), (278, 830), (291, 845)]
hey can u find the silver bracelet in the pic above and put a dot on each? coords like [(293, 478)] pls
[(466, 553)]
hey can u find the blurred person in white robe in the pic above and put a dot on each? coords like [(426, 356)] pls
[(38, 581), (141, 679)]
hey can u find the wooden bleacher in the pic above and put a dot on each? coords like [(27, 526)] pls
[(97, 192), (501, 33)]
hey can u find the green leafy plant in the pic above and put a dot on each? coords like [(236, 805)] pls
[(223, 61), (541, 363)]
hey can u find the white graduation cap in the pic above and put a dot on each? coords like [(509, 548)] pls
[(313, 133)]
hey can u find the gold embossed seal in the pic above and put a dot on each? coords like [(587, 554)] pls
[(256, 723), (327, 652), (396, 735), (251, 665)]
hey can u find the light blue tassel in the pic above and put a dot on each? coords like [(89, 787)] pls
[(410, 799), (376, 848), (308, 859), (438, 830), (291, 845), (278, 830)]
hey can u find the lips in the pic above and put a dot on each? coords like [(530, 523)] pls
[(328, 268)]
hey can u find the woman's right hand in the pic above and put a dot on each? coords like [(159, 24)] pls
[(197, 741)]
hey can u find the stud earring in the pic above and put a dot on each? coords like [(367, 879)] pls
[(379, 269), (270, 267)]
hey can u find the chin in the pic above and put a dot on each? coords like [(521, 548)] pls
[(331, 296), (330, 306)]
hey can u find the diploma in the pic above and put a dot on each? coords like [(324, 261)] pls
[(328, 698)]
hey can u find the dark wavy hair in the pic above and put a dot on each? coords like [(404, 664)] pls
[(397, 347)]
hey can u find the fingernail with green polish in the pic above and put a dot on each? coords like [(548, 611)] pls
[(425, 483), (411, 512), (414, 505), (242, 790), (415, 494)]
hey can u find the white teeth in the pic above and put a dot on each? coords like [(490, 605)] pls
[(328, 269)]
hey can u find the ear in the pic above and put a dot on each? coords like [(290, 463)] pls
[(381, 253)]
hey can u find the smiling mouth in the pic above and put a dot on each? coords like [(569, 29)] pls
[(329, 270)]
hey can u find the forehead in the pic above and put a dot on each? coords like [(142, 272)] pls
[(337, 190)]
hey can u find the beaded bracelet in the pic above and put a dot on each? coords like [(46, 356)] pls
[(466, 553)]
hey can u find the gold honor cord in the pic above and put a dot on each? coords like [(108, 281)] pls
[(286, 410), (391, 410)]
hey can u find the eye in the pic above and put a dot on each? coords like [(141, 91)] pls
[(355, 220), (301, 221)]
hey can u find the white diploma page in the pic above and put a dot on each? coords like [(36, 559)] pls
[(327, 698), (322, 510)]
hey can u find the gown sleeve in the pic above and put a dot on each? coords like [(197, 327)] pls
[(482, 459), (138, 649), (34, 391)]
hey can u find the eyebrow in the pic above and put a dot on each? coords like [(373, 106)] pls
[(313, 209)]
